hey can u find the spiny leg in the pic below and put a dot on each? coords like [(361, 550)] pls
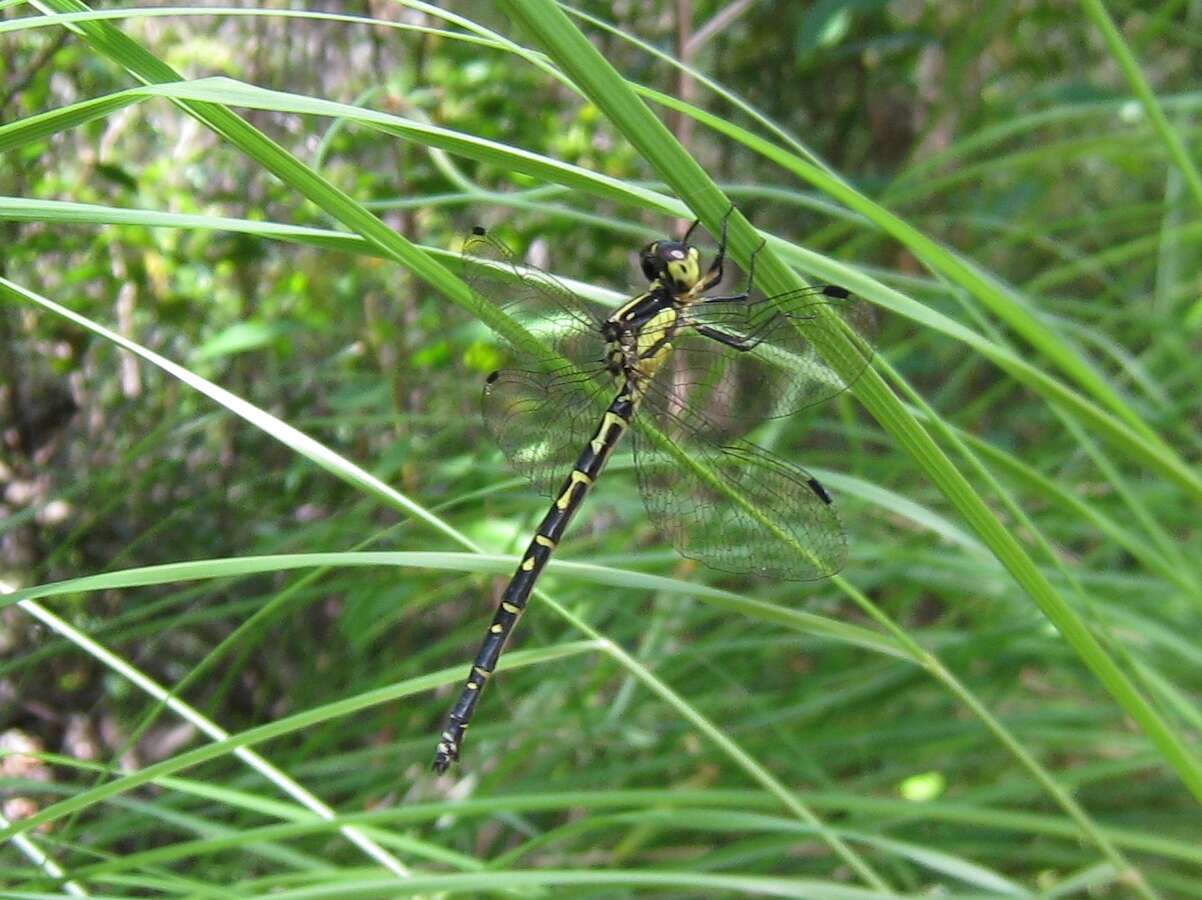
[(742, 344), (722, 243), (710, 280), (713, 277), (751, 266)]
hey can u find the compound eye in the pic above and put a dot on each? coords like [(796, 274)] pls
[(651, 266)]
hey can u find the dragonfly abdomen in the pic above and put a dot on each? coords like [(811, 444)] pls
[(571, 496)]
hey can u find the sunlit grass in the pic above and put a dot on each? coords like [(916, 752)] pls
[(996, 696)]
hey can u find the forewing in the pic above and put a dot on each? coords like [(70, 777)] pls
[(781, 372), (540, 412), (536, 299), (736, 507)]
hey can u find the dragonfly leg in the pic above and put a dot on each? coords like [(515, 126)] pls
[(751, 266), (735, 343), (726, 298), (714, 275), (745, 293)]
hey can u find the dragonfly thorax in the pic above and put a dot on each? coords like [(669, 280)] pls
[(640, 340), (675, 265), (639, 334)]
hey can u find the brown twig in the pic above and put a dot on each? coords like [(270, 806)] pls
[(21, 80)]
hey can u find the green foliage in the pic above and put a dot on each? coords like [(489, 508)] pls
[(252, 526)]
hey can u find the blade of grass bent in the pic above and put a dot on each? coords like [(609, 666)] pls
[(216, 733), (348, 471), (576, 56), (1096, 10)]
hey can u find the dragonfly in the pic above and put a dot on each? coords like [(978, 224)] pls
[(689, 373)]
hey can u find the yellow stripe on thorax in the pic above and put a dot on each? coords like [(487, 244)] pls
[(658, 328), (623, 312)]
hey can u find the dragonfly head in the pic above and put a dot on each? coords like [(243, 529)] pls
[(674, 264)]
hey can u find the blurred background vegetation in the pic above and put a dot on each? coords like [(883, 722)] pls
[(949, 741)]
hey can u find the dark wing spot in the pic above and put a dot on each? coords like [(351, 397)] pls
[(817, 488), (833, 290), (492, 376), (478, 230)]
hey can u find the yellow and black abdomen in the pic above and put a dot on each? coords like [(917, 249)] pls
[(571, 496)]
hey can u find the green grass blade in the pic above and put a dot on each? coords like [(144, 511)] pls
[(579, 59), (1174, 146)]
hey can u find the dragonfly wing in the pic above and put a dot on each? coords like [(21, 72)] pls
[(540, 412), (738, 508), (541, 421), (780, 372), (537, 299)]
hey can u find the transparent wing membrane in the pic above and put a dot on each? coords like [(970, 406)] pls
[(541, 420), (536, 299), (735, 506), (775, 370), (540, 413)]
